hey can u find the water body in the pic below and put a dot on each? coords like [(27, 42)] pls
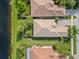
[(3, 29)]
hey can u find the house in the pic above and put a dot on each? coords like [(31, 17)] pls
[(44, 8), (49, 28), (45, 52)]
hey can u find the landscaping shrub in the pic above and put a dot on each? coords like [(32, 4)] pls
[(77, 4), (23, 8), (62, 48), (71, 57), (20, 54), (56, 19)]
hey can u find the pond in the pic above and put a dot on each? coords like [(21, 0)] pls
[(3, 29)]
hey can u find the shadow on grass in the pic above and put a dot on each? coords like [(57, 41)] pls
[(19, 36), (45, 38)]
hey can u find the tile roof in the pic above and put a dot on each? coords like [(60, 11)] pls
[(43, 53), (40, 8), (48, 28)]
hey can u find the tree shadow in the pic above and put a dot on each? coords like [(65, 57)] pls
[(19, 36)]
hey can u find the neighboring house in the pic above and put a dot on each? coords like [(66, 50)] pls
[(49, 28), (44, 53), (43, 8)]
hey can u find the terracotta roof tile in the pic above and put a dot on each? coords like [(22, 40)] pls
[(41, 8), (44, 53)]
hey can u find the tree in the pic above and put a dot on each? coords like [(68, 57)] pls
[(21, 6), (26, 29), (66, 3), (62, 2), (28, 33), (70, 3)]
